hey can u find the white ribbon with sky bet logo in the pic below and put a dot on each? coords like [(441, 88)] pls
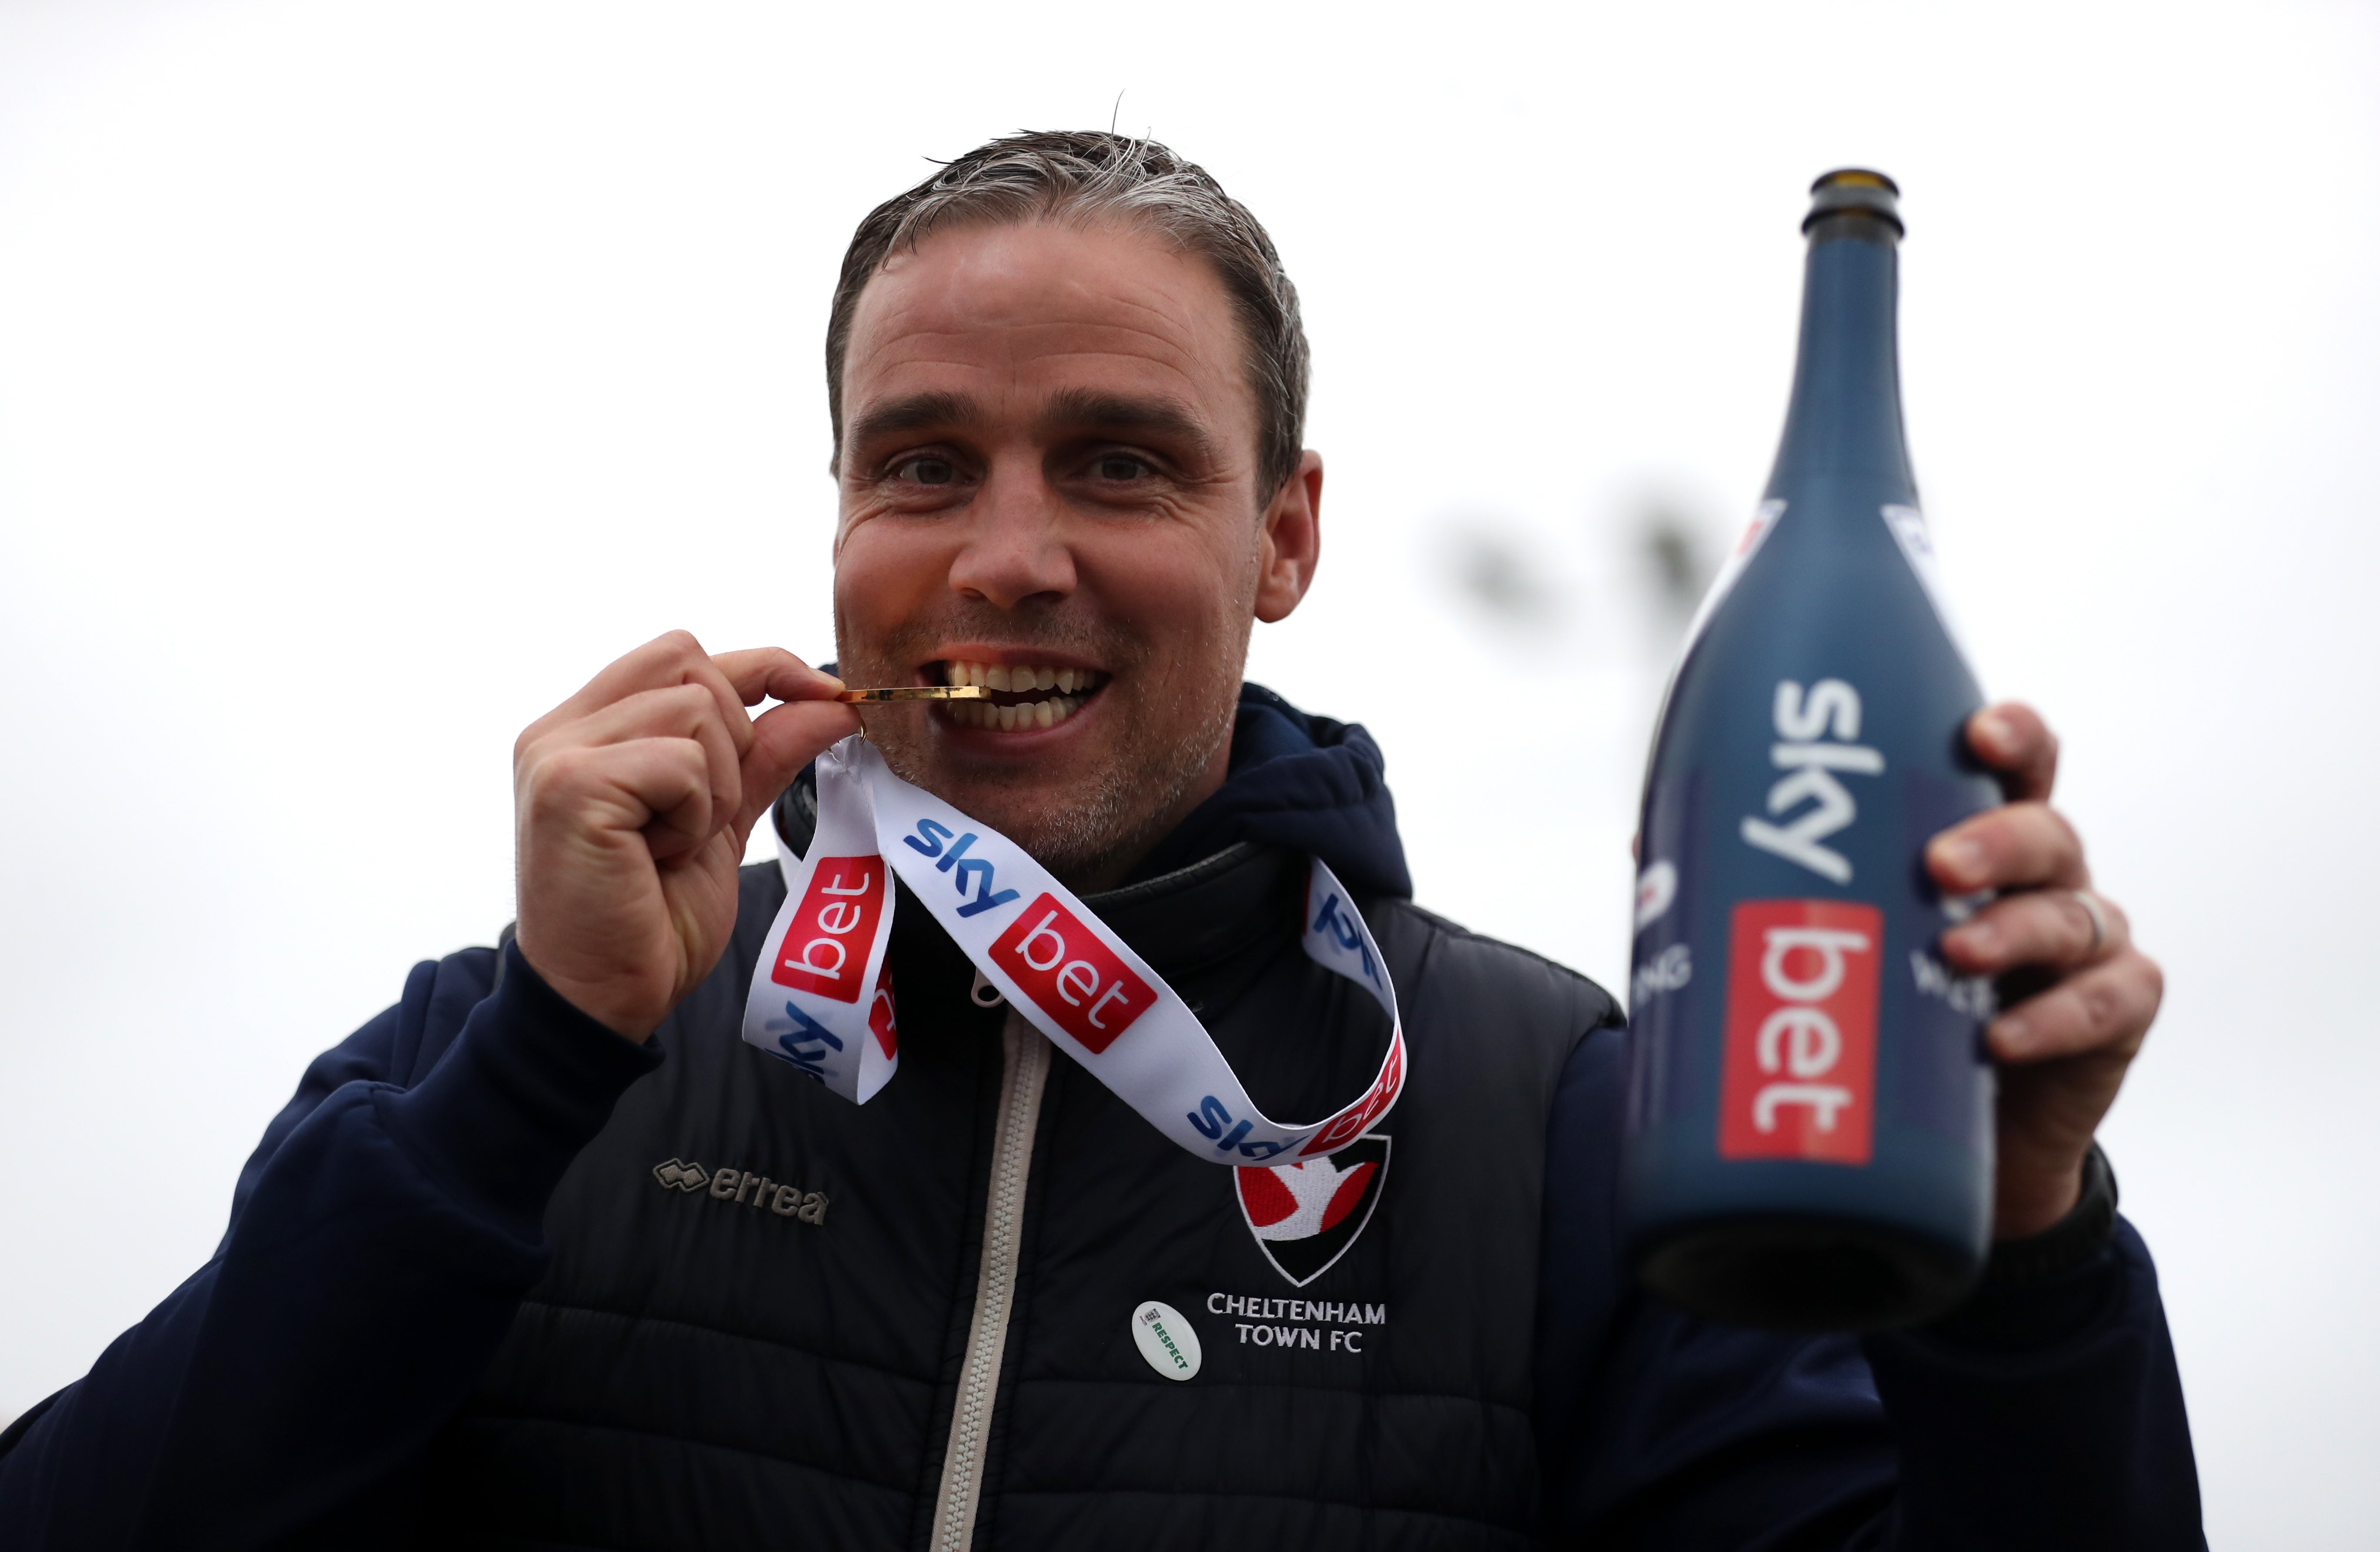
[(822, 1001)]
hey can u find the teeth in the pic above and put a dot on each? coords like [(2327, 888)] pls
[(1003, 676), (1011, 719), (1071, 685)]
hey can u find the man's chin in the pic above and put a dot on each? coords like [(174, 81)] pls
[(1071, 828), (1042, 809), (1086, 821)]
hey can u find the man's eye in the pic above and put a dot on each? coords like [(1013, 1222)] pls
[(928, 471), (1120, 466)]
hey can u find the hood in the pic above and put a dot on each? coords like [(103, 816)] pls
[(1305, 782)]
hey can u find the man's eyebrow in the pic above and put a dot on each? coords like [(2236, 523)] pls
[(915, 412), (1092, 407)]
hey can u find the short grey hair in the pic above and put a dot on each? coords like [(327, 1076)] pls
[(1084, 175)]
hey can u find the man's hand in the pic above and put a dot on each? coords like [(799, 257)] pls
[(2087, 995), (632, 802)]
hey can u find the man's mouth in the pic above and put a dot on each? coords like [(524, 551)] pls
[(1023, 697)]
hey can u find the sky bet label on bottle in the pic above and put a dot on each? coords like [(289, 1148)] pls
[(1799, 1078)]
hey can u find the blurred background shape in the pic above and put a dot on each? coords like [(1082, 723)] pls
[(1501, 575), (1679, 563)]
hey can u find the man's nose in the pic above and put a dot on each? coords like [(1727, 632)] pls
[(1016, 546)]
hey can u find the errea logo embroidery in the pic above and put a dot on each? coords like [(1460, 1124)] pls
[(686, 1177), (744, 1188)]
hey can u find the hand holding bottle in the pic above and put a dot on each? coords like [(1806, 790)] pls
[(2063, 1048)]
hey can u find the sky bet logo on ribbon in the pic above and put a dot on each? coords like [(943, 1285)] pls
[(1070, 974), (1349, 1123), (824, 951), (1063, 970), (935, 841)]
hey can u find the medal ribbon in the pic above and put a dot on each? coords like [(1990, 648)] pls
[(822, 996)]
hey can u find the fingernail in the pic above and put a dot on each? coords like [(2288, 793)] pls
[(1965, 858), (839, 685), (1979, 939), (1995, 728), (2015, 1033)]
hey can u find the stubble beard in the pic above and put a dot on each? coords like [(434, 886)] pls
[(1094, 837)]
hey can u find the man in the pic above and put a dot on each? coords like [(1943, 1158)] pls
[(547, 1256)]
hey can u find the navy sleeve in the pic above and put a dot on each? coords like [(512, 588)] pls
[(381, 1240), (2043, 1418), (2068, 1388)]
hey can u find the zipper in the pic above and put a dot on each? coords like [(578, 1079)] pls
[(1024, 1070)]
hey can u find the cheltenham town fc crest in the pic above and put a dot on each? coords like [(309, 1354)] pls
[(1305, 1215)]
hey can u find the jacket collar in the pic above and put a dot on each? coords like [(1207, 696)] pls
[(1306, 782)]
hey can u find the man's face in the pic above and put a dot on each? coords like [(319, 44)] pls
[(1048, 483)]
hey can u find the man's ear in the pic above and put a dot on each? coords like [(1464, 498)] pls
[(1290, 540)]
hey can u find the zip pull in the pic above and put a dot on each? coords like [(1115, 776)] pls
[(983, 994)]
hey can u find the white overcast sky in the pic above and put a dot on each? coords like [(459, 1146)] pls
[(372, 373)]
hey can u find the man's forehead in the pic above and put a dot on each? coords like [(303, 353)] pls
[(993, 312)]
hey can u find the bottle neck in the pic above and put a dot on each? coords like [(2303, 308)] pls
[(1845, 416)]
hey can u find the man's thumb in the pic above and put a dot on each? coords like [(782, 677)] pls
[(785, 739)]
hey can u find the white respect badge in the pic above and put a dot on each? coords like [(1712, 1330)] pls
[(820, 999)]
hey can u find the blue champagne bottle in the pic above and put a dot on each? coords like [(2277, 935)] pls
[(1809, 1136)]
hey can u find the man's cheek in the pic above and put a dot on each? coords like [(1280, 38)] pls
[(876, 597)]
